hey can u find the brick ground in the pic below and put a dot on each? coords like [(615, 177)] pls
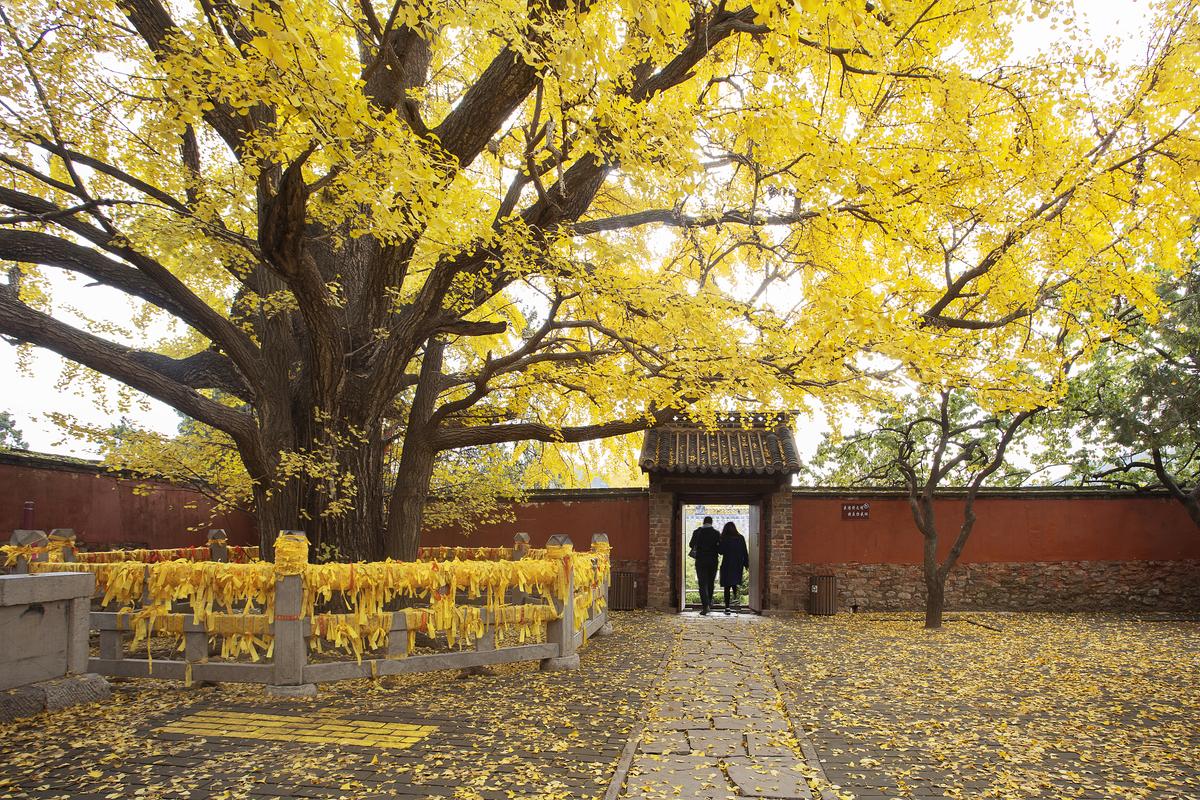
[(519, 733), (1067, 706), (1031, 706)]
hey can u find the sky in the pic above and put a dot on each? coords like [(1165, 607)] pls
[(35, 387)]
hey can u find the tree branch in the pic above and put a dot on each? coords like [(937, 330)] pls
[(496, 93), (122, 363), (154, 25), (149, 281), (674, 218), (464, 327), (207, 369)]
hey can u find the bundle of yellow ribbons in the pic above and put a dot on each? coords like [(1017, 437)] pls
[(236, 601)]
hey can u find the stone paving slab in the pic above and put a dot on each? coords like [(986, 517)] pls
[(715, 671), (659, 742), (765, 744), (716, 744), (765, 776)]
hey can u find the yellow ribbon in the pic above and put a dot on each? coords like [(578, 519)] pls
[(236, 601), (27, 551), (291, 554)]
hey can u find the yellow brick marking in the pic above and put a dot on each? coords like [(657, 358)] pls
[(298, 728)]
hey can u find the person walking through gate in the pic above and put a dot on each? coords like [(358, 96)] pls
[(734, 560), (703, 547)]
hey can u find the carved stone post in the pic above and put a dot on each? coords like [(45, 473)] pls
[(520, 545), (520, 551), (601, 546), (64, 538), (561, 632), (79, 619), (486, 642), (29, 538), (397, 641), (218, 546), (289, 656)]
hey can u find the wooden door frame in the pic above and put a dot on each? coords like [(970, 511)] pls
[(758, 570)]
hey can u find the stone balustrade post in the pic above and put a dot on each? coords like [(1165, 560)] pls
[(602, 587), (218, 546), (397, 641), (561, 632), (290, 654), (29, 538), (520, 545), (66, 538), (520, 552), (485, 643)]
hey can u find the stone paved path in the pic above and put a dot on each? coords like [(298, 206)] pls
[(718, 728)]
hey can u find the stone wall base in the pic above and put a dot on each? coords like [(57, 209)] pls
[(53, 695), (1033, 586)]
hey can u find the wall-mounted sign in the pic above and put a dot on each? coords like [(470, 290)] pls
[(856, 510)]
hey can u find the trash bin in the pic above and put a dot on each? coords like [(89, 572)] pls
[(622, 592), (822, 594)]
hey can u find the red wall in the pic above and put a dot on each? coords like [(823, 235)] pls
[(1008, 529), (623, 515), (1035, 526), (1043, 527), (105, 510)]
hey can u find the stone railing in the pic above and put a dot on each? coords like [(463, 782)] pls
[(271, 615), (27, 546)]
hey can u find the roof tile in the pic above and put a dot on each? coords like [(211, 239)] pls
[(740, 444)]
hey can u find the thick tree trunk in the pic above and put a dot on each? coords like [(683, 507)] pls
[(1193, 509), (347, 511), (407, 506), (333, 490), (275, 510), (935, 580), (409, 496), (1190, 500)]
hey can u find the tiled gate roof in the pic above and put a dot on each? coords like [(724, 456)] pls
[(740, 444)]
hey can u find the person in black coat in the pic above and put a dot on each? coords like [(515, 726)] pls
[(703, 547), (734, 559)]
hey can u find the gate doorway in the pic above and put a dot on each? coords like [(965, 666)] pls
[(742, 461), (746, 516)]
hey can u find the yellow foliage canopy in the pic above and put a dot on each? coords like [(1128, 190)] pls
[(554, 221)]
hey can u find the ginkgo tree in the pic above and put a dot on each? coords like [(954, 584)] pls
[(937, 439), (430, 226)]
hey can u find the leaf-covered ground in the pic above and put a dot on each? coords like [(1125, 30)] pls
[(519, 733), (1049, 706), (1030, 706)]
